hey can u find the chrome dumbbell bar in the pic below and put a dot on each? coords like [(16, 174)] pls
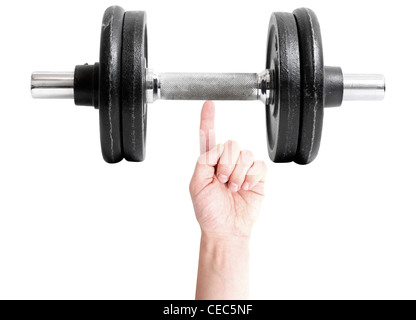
[(207, 86)]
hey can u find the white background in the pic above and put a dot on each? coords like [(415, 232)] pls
[(72, 226)]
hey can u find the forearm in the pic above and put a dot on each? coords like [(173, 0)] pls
[(223, 271)]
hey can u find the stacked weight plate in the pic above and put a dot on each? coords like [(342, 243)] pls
[(122, 103), (295, 115)]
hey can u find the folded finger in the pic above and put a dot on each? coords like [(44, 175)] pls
[(255, 174), (228, 161), (244, 163)]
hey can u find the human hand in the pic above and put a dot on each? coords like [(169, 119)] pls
[(227, 187), (227, 191)]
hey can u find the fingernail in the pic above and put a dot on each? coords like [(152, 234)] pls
[(223, 178), (245, 186), (233, 187)]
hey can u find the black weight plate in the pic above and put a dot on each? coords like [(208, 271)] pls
[(110, 84), (283, 112), (133, 101), (312, 70)]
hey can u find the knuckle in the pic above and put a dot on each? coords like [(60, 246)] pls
[(257, 169), (251, 175), (263, 166), (237, 179), (246, 157), (230, 154), (225, 168), (237, 176), (233, 145)]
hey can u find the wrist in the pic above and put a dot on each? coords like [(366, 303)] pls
[(210, 241), (225, 252), (223, 267)]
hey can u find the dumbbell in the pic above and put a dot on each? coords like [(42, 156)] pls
[(295, 86)]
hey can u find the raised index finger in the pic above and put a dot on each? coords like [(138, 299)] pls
[(207, 127)]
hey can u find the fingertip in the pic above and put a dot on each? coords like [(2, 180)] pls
[(208, 110), (245, 186), (233, 187), (222, 178)]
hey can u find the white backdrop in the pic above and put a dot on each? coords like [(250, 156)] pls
[(72, 226)]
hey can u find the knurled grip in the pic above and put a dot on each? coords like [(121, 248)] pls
[(208, 86)]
